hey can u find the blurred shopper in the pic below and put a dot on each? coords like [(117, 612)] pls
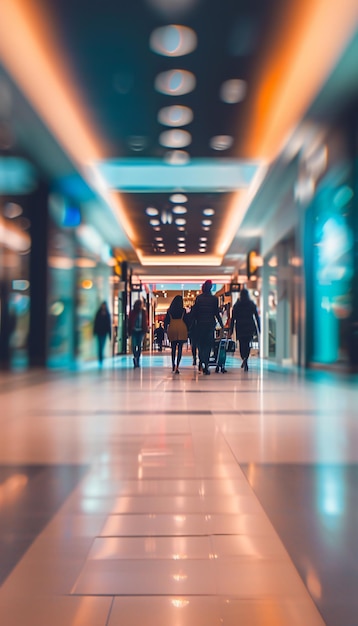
[(159, 336), (102, 328), (137, 328), (176, 326), (246, 320), (207, 315), (192, 333)]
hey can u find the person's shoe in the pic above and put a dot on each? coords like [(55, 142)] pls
[(243, 364), (206, 371), (135, 362), (200, 367), (173, 368), (194, 361), (177, 371), (246, 367)]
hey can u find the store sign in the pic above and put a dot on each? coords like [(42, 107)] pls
[(136, 286), (234, 287)]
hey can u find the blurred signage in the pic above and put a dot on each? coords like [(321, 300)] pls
[(254, 261), (234, 287)]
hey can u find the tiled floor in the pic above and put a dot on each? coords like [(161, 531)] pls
[(134, 497)]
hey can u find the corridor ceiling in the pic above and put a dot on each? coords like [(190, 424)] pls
[(173, 112)]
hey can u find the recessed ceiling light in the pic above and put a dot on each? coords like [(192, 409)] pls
[(160, 245), (175, 138), (180, 210), (154, 222), (137, 143), (181, 227), (173, 40), (178, 198), (202, 250), (221, 142), (177, 157), (206, 227), (206, 222), (232, 91), (181, 238), (208, 212), (158, 238), (180, 221), (156, 228), (175, 116), (203, 238), (151, 211), (182, 250), (175, 82)]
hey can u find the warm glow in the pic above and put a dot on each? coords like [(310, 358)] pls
[(173, 260), (38, 64), (301, 53)]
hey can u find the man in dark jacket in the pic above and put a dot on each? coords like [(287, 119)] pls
[(246, 320), (207, 315)]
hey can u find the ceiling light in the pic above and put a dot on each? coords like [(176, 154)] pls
[(180, 221), (137, 143), (173, 40), (154, 222), (181, 227), (178, 198), (182, 250), (202, 250), (175, 82), (156, 228), (221, 142), (206, 227), (232, 91), (206, 222), (175, 116), (181, 238), (12, 210), (203, 238), (151, 211), (175, 138), (177, 157), (208, 212), (160, 245), (180, 210), (158, 238)]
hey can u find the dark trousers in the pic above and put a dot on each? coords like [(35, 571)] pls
[(245, 345), (101, 340), (205, 339), (137, 340)]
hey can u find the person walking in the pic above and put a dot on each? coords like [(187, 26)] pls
[(192, 334), (137, 328), (207, 314), (159, 336), (246, 320), (102, 328), (176, 326)]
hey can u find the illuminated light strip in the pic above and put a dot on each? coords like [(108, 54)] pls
[(302, 52), (33, 58), (236, 212), (174, 260)]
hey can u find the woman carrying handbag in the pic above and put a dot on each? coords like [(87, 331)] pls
[(176, 327)]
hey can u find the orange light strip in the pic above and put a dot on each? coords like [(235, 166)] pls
[(37, 63), (303, 50)]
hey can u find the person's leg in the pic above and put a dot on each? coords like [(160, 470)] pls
[(206, 342), (179, 355), (244, 343), (173, 347), (101, 342), (135, 348)]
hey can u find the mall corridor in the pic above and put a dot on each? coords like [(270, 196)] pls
[(134, 496)]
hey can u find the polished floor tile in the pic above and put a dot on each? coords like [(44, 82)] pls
[(186, 500)]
